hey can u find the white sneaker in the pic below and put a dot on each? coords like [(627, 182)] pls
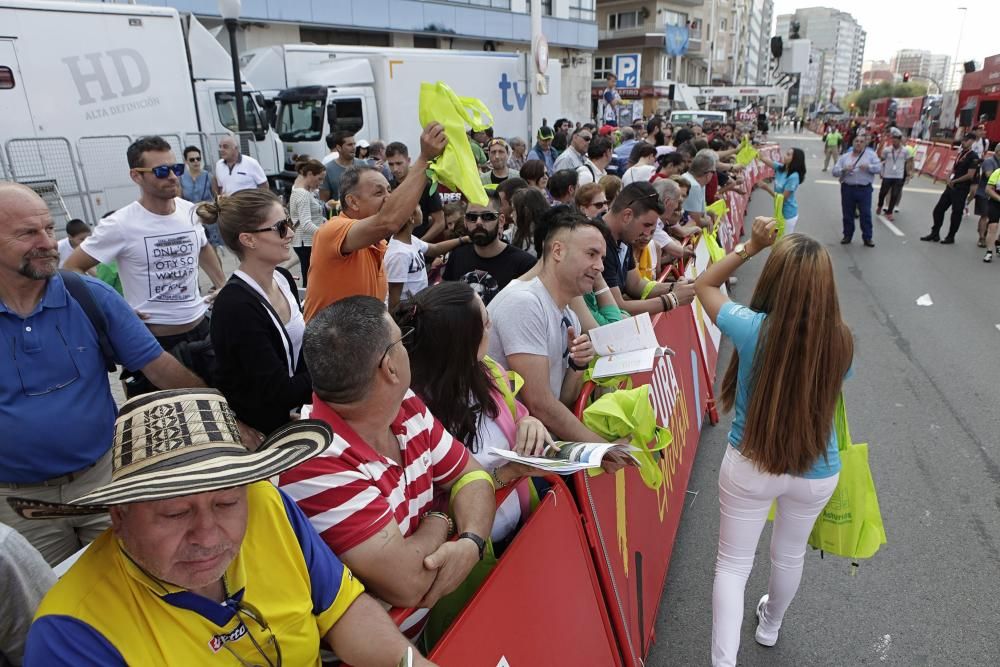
[(988, 257), (764, 637)]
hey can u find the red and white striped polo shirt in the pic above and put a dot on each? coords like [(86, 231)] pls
[(350, 492)]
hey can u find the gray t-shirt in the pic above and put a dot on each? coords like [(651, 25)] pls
[(334, 170), (527, 321), (25, 578)]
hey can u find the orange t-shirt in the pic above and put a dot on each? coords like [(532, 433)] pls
[(334, 275)]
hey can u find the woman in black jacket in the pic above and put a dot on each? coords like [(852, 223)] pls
[(257, 323)]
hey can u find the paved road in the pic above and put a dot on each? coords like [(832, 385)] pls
[(924, 395)]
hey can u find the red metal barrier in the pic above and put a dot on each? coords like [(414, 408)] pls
[(631, 528), (541, 605)]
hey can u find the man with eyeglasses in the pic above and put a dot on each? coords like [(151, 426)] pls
[(489, 263), (576, 153), (159, 245), (56, 409), (235, 171), (498, 153), (370, 495)]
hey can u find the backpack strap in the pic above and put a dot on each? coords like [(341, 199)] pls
[(78, 289)]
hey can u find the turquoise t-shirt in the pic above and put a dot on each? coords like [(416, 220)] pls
[(787, 183), (742, 325)]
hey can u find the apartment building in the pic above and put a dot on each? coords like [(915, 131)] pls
[(838, 43)]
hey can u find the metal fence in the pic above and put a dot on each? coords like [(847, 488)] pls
[(93, 179)]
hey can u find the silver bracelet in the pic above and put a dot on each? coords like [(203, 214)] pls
[(602, 291)]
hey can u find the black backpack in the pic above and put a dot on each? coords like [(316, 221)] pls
[(77, 288)]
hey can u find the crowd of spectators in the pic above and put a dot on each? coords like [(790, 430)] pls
[(392, 348)]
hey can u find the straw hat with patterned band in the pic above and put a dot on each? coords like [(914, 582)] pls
[(181, 442)]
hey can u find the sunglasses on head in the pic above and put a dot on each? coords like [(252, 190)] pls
[(485, 216), (163, 171), (281, 227)]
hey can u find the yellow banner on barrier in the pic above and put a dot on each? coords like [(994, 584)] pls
[(746, 153)]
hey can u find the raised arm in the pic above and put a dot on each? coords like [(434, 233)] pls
[(400, 204), (708, 286)]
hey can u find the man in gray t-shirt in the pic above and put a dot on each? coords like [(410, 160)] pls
[(527, 321), (25, 577), (537, 335)]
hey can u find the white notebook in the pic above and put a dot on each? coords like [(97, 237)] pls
[(626, 347)]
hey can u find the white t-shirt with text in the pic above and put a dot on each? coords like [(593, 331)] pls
[(157, 258), (404, 263)]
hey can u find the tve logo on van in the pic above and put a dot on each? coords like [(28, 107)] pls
[(114, 74), (519, 99)]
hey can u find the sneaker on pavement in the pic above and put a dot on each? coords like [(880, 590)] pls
[(888, 216), (869, 243), (988, 257), (764, 636)]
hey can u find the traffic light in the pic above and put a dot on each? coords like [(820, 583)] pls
[(906, 77)]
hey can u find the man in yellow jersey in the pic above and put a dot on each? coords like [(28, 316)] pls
[(206, 561)]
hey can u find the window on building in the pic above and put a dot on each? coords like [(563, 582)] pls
[(724, 24), (582, 9), (603, 66), (666, 67), (225, 105), (6, 78), (425, 41), (624, 20), (346, 37), (675, 18), (546, 7)]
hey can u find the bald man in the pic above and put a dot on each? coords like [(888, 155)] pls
[(56, 408), (235, 171)]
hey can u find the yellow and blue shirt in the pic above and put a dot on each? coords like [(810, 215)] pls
[(108, 611)]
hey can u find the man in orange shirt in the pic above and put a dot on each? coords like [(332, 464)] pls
[(348, 249)]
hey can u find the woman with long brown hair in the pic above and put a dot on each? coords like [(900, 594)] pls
[(792, 353)]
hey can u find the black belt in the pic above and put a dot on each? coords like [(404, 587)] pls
[(857, 185)]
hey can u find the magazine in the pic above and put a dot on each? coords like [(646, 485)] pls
[(566, 458)]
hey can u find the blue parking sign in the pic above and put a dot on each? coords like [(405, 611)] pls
[(627, 67)]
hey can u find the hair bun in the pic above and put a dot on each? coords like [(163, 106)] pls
[(208, 211)]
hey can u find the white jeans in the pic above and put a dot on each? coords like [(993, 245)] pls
[(745, 496), (790, 224)]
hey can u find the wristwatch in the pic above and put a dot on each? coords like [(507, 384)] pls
[(741, 250), (575, 366), (479, 542)]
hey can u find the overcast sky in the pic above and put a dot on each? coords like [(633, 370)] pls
[(896, 24)]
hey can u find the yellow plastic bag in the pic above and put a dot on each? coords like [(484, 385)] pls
[(456, 167), (719, 208), (779, 204), (715, 251), (746, 153), (629, 413)]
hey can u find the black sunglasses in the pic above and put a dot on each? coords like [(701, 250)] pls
[(486, 216), (194, 159), (163, 170), (405, 332), (281, 226)]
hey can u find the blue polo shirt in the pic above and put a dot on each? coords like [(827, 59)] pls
[(57, 413)]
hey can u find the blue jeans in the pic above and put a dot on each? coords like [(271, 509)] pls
[(856, 197)]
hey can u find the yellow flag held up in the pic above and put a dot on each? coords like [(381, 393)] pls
[(456, 167), (779, 204), (746, 153), (715, 251)]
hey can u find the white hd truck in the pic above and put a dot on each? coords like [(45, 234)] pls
[(79, 81), (375, 92)]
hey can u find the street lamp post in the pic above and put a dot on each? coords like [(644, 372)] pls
[(230, 11)]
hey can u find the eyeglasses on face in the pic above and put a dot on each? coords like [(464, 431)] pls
[(281, 227), (194, 158), (163, 171), (405, 332), (586, 137), (485, 216), (599, 204)]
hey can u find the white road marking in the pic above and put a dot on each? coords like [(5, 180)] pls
[(997, 326), (925, 300), (892, 228), (929, 191)]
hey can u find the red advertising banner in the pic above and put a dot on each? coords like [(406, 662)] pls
[(541, 605), (631, 528)]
